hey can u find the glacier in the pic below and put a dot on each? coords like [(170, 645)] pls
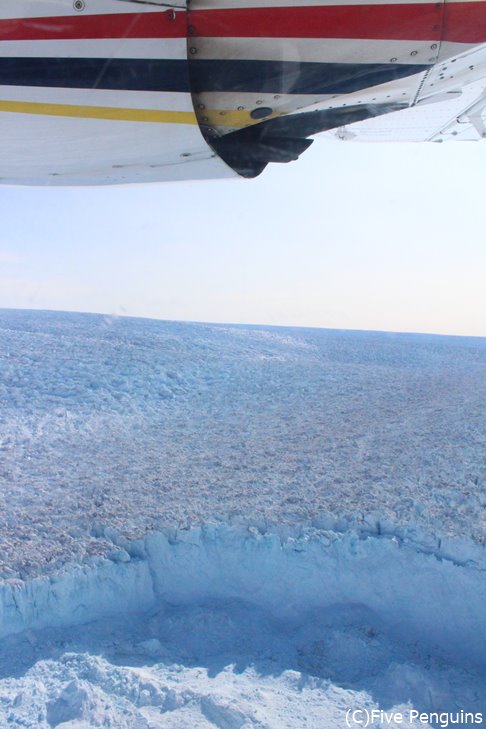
[(239, 527), (319, 621)]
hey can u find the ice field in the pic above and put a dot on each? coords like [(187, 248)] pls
[(239, 527)]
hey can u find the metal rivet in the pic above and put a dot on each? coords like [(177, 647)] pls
[(170, 14), (277, 96), (414, 53), (392, 60), (192, 50), (241, 108), (79, 5), (433, 46)]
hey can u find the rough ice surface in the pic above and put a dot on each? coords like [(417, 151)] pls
[(138, 424), (238, 527)]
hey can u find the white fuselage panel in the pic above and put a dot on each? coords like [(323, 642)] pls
[(78, 107)]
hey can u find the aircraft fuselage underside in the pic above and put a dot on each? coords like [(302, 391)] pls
[(113, 91)]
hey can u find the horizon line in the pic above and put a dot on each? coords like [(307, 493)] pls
[(244, 324)]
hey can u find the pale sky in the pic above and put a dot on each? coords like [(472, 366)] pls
[(355, 236)]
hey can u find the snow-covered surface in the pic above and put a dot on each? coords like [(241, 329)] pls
[(238, 527)]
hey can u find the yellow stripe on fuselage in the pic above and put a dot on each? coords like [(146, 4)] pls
[(153, 116), (218, 119)]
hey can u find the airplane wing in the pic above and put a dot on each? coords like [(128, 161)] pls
[(114, 91), (448, 108)]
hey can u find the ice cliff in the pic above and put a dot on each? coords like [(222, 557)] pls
[(424, 595)]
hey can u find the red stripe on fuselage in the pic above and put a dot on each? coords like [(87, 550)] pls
[(168, 24), (415, 21), (464, 22)]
